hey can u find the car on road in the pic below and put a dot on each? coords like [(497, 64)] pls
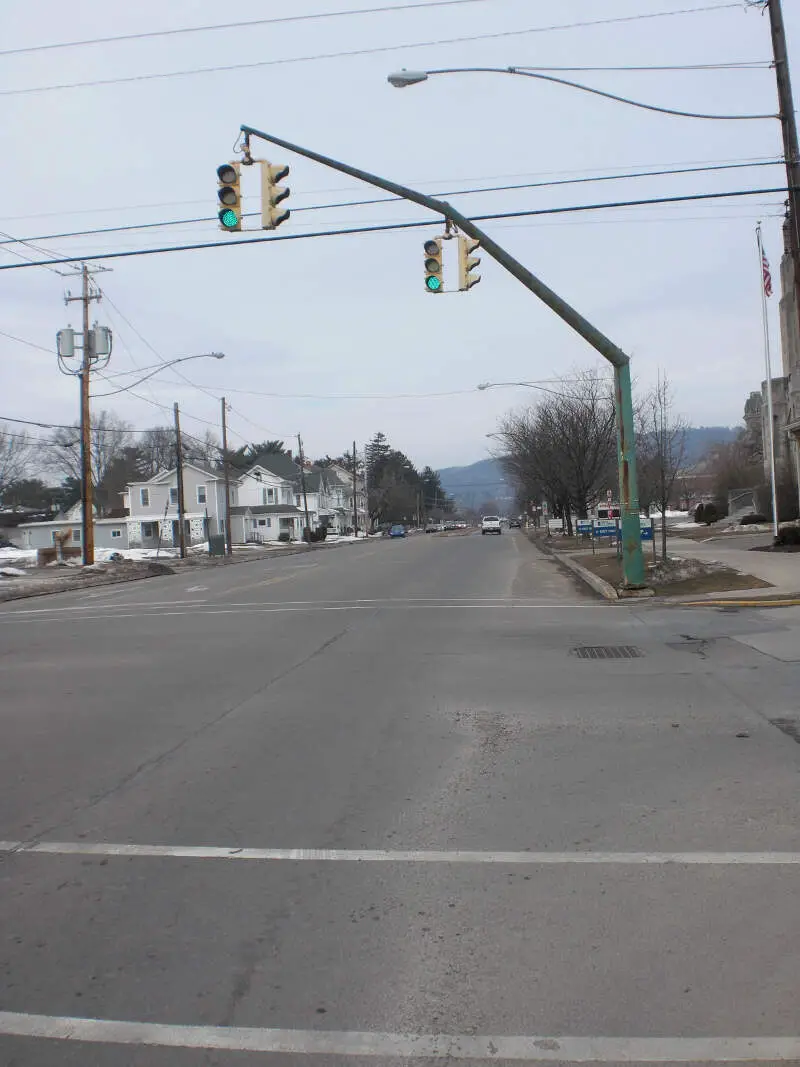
[(491, 524), (515, 524), (434, 527), (397, 530)]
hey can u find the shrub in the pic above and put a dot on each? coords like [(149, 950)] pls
[(788, 535), (754, 519), (698, 512), (710, 514), (284, 536)]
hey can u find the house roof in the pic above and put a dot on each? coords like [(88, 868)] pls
[(279, 463), (166, 475), (266, 509)]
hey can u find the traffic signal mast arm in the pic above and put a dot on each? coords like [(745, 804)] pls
[(633, 560)]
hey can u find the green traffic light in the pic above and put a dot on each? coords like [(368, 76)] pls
[(433, 283), (229, 218)]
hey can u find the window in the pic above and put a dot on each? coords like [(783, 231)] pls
[(76, 534), (116, 533), (144, 498), (148, 529), (201, 494), (297, 500), (173, 495), (267, 496), (265, 522)]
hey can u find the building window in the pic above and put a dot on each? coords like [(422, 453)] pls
[(116, 533), (265, 522), (297, 500), (173, 495), (76, 534), (201, 494), (267, 496), (144, 498)]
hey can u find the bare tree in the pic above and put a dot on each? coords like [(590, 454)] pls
[(206, 449), (564, 446), (156, 451), (109, 436), (16, 456), (661, 450)]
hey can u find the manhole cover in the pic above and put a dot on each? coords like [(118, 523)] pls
[(607, 652), (791, 727)]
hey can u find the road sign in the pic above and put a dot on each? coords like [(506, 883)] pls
[(584, 527), (647, 529), (605, 528)]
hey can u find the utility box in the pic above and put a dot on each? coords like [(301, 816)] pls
[(216, 545)]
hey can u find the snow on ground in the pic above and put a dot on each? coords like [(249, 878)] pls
[(18, 555)]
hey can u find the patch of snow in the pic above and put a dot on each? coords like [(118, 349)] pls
[(18, 555), (12, 572)]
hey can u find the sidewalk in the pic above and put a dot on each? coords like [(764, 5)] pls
[(780, 569)]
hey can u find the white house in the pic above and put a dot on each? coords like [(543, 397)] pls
[(265, 504), (152, 507), (108, 533)]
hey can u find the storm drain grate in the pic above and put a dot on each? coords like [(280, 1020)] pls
[(607, 652), (791, 727)]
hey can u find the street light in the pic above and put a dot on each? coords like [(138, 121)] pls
[(401, 79), (154, 369)]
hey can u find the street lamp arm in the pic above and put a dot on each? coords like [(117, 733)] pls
[(157, 370), (573, 318), (574, 85)]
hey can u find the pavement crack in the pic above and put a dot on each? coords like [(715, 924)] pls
[(156, 761)]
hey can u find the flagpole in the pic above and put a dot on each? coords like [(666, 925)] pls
[(768, 367)]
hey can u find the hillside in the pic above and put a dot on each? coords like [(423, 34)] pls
[(477, 482)]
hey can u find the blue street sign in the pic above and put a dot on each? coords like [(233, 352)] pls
[(605, 528), (584, 527)]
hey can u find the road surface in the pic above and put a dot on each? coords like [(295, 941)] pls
[(521, 855)]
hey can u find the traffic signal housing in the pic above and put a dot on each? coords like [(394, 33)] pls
[(433, 265), (272, 194), (230, 197), (467, 263)]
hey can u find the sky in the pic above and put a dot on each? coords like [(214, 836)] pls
[(335, 336)]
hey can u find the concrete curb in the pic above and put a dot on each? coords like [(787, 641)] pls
[(599, 585), (78, 583)]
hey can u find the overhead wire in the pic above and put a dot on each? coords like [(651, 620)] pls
[(226, 68), (386, 227), (244, 24), (138, 227)]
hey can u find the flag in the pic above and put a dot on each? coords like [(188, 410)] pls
[(766, 274)]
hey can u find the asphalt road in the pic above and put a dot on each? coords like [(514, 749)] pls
[(523, 855)]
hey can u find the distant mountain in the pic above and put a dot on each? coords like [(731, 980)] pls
[(470, 486), (700, 438)]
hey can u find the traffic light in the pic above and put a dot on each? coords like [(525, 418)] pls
[(433, 265), (467, 263), (230, 197), (272, 193)]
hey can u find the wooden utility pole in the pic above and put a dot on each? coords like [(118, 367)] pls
[(87, 504), (227, 475), (303, 483), (355, 491), (791, 151), (179, 466)]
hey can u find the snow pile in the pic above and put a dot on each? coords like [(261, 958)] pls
[(18, 555)]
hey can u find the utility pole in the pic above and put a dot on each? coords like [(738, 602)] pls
[(355, 492), (87, 506), (303, 482), (179, 465), (227, 475)]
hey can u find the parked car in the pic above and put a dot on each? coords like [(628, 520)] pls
[(434, 527), (491, 524), (397, 530)]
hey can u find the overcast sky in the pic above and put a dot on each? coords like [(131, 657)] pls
[(676, 286)]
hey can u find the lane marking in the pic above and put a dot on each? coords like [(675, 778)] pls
[(405, 1045), (386, 855), (197, 589), (254, 609)]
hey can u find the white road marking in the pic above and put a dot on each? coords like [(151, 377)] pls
[(542, 1048), (411, 855), (11, 618), (197, 589)]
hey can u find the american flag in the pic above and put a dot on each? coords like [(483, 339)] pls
[(766, 273)]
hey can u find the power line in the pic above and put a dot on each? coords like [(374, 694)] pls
[(234, 26), (385, 227), (22, 341), (134, 227), (130, 79)]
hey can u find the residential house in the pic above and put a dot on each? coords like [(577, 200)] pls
[(265, 504), (339, 498), (108, 533), (152, 507)]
